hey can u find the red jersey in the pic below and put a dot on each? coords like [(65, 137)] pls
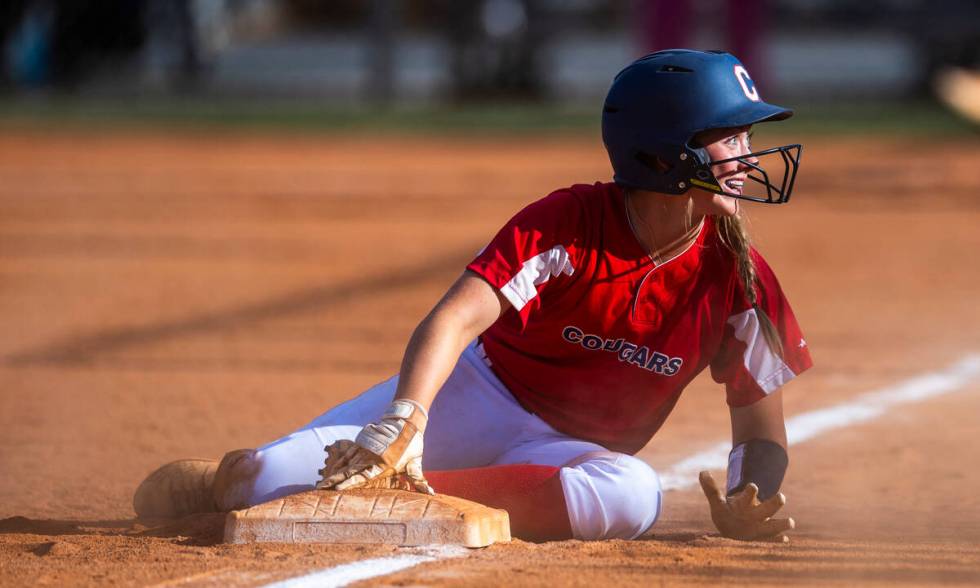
[(601, 341)]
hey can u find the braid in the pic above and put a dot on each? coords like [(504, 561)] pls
[(735, 238)]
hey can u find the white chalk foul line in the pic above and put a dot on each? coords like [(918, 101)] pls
[(359, 570), (683, 474), (808, 425), (366, 569)]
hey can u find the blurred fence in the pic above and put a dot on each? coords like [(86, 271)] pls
[(349, 52)]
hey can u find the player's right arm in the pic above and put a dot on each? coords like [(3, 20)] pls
[(524, 256), (469, 307), (393, 445)]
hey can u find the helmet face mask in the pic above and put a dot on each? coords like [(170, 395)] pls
[(769, 189), (657, 105)]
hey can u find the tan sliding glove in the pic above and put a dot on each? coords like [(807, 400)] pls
[(387, 454), (742, 516)]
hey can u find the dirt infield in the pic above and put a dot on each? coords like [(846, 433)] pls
[(167, 296)]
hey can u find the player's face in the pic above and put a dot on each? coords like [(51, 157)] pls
[(724, 144)]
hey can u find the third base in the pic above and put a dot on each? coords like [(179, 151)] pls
[(394, 517)]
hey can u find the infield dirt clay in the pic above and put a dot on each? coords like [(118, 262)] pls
[(180, 295)]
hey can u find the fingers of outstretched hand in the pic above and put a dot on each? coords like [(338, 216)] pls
[(742, 516), (767, 508), (772, 528), (769, 529), (745, 501), (710, 489)]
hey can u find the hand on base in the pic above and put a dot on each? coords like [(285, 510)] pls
[(387, 454), (345, 455)]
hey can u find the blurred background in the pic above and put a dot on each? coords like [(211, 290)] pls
[(308, 61)]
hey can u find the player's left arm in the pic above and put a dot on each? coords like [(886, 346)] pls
[(756, 466), (763, 419)]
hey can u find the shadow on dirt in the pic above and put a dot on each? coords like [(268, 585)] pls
[(199, 529), (85, 348)]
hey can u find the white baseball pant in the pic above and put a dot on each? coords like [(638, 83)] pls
[(475, 422)]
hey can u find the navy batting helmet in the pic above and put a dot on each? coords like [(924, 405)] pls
[(658, 103)]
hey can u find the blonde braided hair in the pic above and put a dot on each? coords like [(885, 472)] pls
[(732, 233)]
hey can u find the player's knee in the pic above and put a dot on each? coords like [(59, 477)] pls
[(611, 496)]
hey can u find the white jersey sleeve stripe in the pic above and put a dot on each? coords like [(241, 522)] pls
[(522, 288), (768, 369)]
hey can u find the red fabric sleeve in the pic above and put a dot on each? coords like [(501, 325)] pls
[(535, 250), (745, 363)]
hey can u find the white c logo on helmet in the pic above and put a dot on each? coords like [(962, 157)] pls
[(748, 86)]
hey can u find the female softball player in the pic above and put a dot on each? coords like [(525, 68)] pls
[(565, 344)]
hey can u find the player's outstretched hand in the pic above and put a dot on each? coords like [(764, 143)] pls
[(387, 454), (742, 516)]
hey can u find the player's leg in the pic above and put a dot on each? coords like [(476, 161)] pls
[(531, 494), (610, 495), (471, 422), (474, 422), (291, 463), (554, 486), (249, 476), (563, 488)]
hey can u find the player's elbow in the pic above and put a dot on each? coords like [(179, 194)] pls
[(467, 309)]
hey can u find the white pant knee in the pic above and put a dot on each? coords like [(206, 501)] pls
[(611, 496)]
